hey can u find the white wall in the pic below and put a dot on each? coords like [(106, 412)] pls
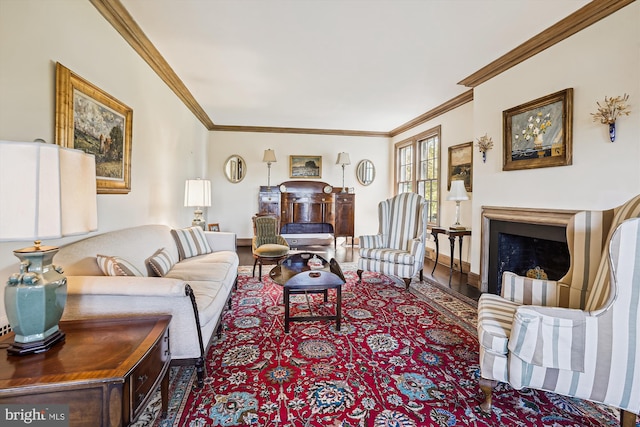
[(235, 204), (168, 143), (603, 59)]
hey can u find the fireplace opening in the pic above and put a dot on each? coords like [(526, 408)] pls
[(534, 250)]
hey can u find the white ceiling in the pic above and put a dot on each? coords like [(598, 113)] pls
[(368, 65)]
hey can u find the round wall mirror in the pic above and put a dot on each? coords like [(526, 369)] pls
[(365, 172), (235, 168)]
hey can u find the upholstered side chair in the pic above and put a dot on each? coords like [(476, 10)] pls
[(578, 336), (398, 248), (267, 244)]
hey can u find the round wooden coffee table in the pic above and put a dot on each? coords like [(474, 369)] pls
[(297, 276)]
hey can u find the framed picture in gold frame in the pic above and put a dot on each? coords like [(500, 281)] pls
[(305, 167), (539, 134), (91, 120), (461, 164)]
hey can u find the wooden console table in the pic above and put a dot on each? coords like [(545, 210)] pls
[(311, 207), (435, 231), (106, 370)]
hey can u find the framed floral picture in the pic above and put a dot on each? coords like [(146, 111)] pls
[(538, 134), (461, 164), (91, 120)]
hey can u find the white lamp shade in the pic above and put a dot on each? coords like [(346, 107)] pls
[(269, 156), (197, 193), (343, 159), (46, 191), (457, 192)]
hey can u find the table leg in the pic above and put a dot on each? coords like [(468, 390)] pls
[(286, 309), (164, 394), (452, 242), (338, 307), (435, 264), (460, 249)]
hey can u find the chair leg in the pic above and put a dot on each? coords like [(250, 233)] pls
[(255, 261), (359, 272), (407, 282), (487, 388), (627, 419)]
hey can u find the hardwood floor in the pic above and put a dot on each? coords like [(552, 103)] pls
[(347, 254)]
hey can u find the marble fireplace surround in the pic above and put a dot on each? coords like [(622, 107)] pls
[(552, 217)]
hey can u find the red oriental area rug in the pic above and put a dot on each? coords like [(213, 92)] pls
[(400, 359)]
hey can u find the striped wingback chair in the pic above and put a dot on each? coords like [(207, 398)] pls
[(267, 244), (578, 336), (398, 248)]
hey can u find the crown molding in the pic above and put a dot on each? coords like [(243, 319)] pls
[(311, 131), (451, 104), (577, 21), (116, 14)]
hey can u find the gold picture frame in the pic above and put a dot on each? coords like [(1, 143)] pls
[(213, 227), (305, 167), (461, 165), (539, 134), (89, 119)]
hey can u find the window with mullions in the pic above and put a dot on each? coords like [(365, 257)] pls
[(418, 169)]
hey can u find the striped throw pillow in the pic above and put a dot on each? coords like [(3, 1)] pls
[(116, 266), (191, 242), (161, 262)]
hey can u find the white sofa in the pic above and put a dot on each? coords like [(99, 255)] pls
[(195, 291)]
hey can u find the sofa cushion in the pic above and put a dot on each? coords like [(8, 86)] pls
[(116, 266), (191, 242), (161, 262)]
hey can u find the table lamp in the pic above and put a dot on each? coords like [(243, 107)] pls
[(197, 194), (46, 192), (457, 193), (343, 159), (268, 158)]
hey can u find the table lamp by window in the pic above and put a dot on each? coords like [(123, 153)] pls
[(457, 193), (197, 194), (343, 159), (268, 158), (46, 192)]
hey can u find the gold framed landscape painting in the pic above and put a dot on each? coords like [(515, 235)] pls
[(461, 164), (539, 134), (91, 120), (305, 166)]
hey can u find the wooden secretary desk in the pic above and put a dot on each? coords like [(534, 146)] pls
[(310, 207)]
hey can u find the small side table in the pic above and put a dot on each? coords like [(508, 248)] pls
[(435, 231)]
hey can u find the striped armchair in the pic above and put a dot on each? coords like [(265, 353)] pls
[(398, 248), (578, 336)]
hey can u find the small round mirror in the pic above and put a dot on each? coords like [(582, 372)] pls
[(365, 172), (235, 168)]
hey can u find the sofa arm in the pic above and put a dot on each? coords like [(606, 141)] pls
[(126, 286), (221, 240), (525, 290)]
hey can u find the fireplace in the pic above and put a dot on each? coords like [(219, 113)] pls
[(527, 242)]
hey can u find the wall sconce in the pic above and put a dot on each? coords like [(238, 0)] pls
[(484, 144), (268, 158), (609, 112), (46, 192), (197, 194), (458, 194), (343, 159)]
